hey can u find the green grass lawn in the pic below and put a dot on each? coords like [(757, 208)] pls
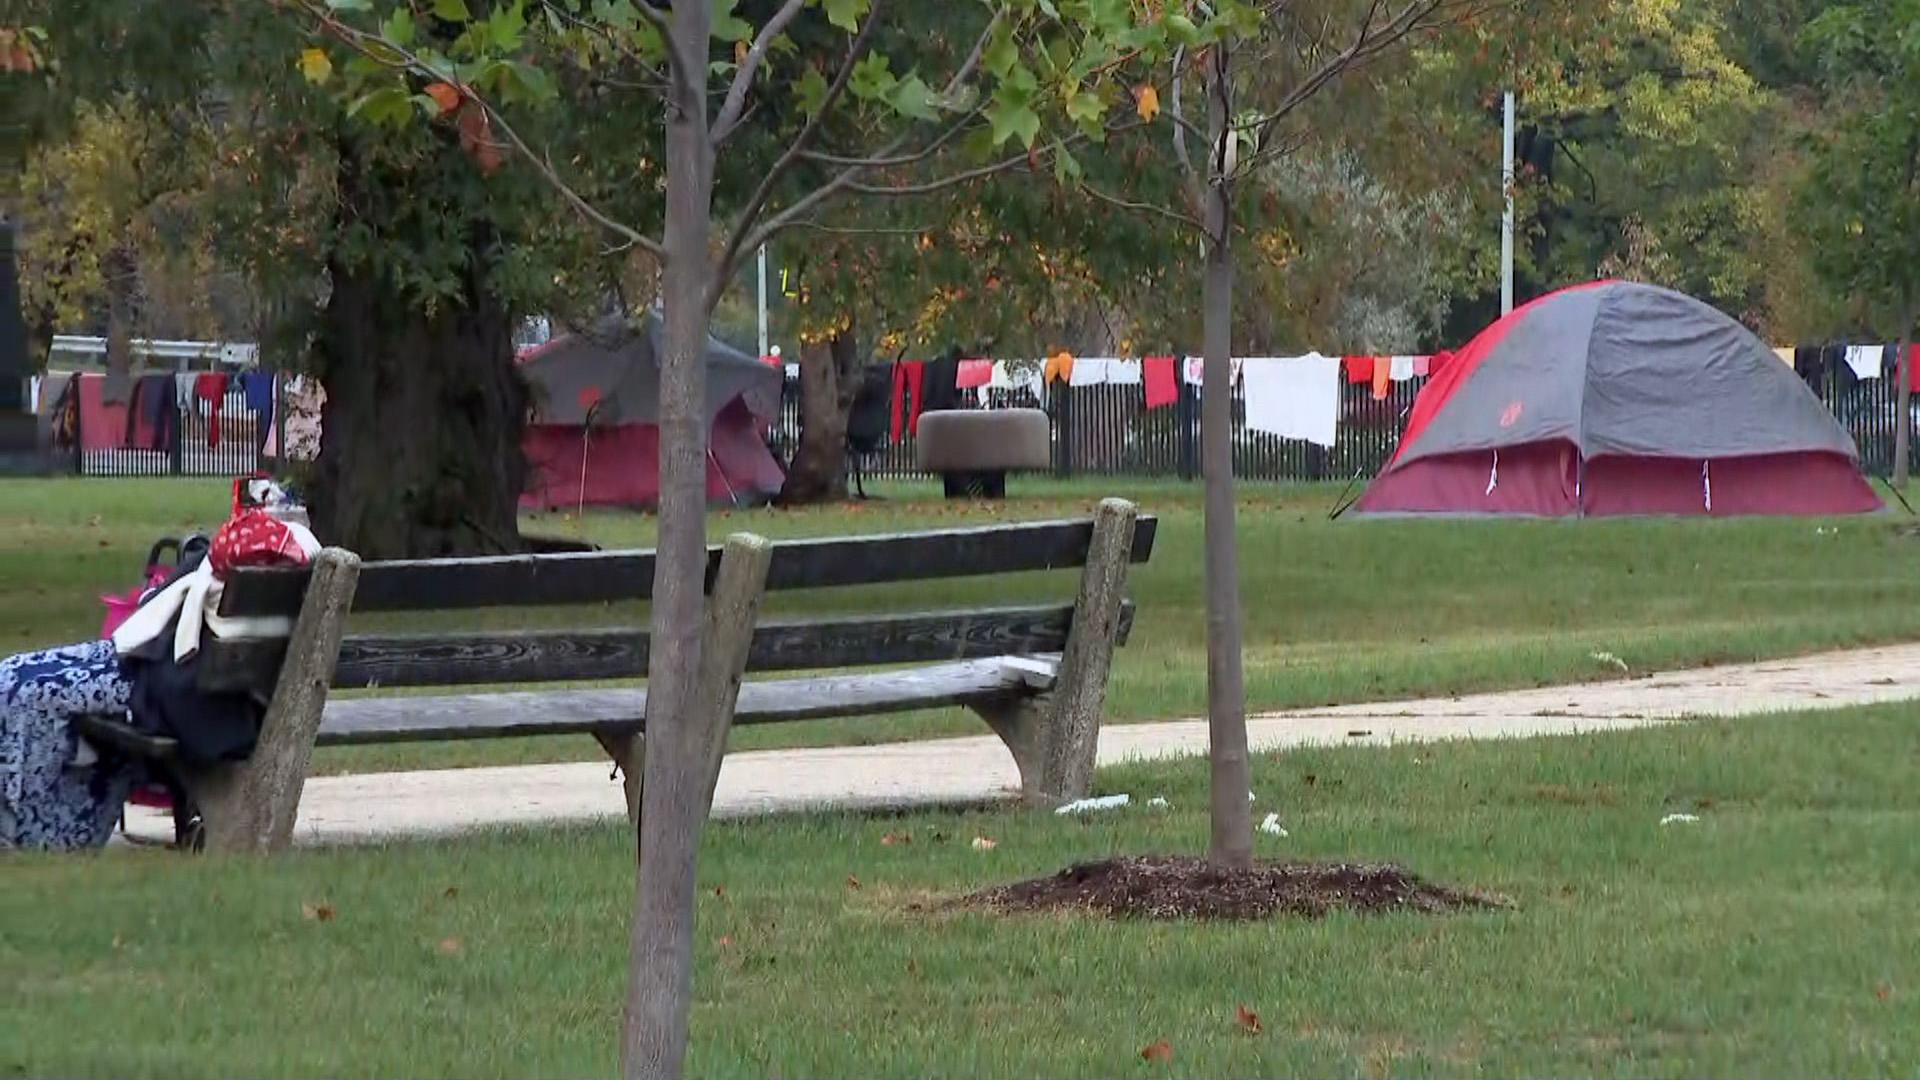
[(1775, 936), (1337, 611)]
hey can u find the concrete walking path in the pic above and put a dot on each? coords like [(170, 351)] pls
[(372, 807)]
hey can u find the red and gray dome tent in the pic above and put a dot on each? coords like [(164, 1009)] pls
[(1616, 398)]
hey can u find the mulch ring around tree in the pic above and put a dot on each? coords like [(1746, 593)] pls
[(1185, 887)]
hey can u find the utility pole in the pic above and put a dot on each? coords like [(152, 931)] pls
[(763, 301), (1506, 220)]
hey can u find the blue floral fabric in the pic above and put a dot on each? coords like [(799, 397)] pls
[(46, 800)]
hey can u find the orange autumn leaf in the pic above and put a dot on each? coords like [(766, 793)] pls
[(476, 138), (1160, 1053), (322, 912), (1146, 102), (740, 52), (445, 96), (1247, 1020)]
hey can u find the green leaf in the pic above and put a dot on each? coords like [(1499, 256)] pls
[(348, 5), (399, 27), (1181, 29), (845, 14), (388, 105), (1086, 107), (811, 92), (1066, 167), (452, 10), (1001, 52), (726, 25), (873, 78), (913, 97), (506, 25), (1011, 119)]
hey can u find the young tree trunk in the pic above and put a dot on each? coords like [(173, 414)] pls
[(675, 798), (1903, 412), (829, 380), (1232, 840), (420, 436)]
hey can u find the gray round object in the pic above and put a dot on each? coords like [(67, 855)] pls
[(970, 440)]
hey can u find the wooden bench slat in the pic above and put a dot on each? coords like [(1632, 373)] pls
[(602, 577), (557, 712), (620, 653)]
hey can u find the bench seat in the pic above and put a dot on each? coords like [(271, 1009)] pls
[(984, 685)]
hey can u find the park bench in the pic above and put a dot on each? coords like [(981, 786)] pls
[(1036, 674)]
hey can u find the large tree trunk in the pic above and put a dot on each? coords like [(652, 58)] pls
[(829, 381), (1903, 413), (420, 446), (675, 797), (1232, 840)]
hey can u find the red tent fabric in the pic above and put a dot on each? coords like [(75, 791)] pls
[(593, 439), (1617, 398)]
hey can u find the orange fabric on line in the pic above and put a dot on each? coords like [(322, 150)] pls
[(1059, 366), (1382, 377)]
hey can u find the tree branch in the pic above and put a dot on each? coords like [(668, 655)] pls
[(757, 202), (618, 46), (1144, 208), (680, 67), (730, 111), (898, 160), (1189, 176)]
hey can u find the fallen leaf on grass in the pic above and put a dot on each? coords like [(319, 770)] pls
[(1160, 1053), (890, 839), (1247, 1020), (985, 843), (452, 892), (449, 946), (852, 882), (1882, 992), (719, 892), (724, 942), (317, 912)]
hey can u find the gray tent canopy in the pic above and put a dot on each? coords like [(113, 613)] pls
[(609, 373)]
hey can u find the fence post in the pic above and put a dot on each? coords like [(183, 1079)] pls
[(1063, 422), (1184, 422)]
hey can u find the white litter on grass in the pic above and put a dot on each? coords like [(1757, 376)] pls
[(1159, 802), (1104, 802), (1678, 819), (1609, 659), (1250, 796), (1271, 826)]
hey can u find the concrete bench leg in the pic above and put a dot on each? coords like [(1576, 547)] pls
[(1071, 738), (251, 805), (629, 753)]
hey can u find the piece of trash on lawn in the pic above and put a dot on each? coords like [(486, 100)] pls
[(1679, 819), (1102, 802), (1358, 733), (1271, 826), (1250, 796), (1608, 659), (984, 843), (1159, 802)]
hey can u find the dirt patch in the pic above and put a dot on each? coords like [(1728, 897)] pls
[(1185, 887)]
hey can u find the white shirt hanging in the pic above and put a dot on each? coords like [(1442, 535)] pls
[(1294, 397)]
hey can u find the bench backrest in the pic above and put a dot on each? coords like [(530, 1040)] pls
[(474, 658)]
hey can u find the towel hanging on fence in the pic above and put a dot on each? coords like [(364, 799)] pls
[(1092, 371), (1785, 353), (1295, 397), (973, 374), (1196, 370), (1400, 369), (1359, 369), (1422, 366), (1162, 384), (1059, 366), (1382, 377), (212, 389), (909, 380), (1864, 360)]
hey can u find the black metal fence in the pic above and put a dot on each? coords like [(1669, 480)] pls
[(1097, 431)]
